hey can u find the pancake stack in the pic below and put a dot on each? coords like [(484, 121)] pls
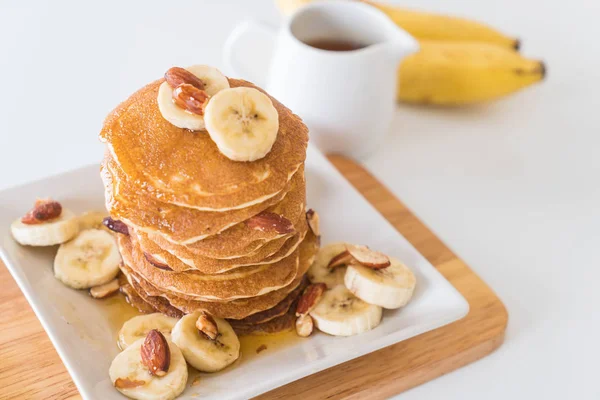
[(204, 232)]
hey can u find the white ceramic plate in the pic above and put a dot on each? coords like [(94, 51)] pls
[(85, 340)]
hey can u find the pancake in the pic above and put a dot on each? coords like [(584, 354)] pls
[(147, 304), (185, 168), (280, 309), (232, 242), (271, 253), (285, 322), (183, 225), (247, 282), (236, 309)]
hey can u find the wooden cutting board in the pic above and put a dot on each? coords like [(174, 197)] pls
[(31, 369)]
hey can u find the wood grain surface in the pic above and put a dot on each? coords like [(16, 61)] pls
[(31, 369)]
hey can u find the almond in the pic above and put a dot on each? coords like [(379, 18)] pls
[(367, 257), (313, 222), (268, 221), (156, 354), (115, 225), (176, 76), (344, 258), (43, 211), (102, 291), (126, 383), (310, 298), (190, 98), (207, 325), (305, 326), (156, 263)]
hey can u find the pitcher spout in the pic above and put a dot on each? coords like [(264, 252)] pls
[(401, 45)]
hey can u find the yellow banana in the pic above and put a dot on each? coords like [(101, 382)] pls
[(427, 26), (430, 26), (455, 73)]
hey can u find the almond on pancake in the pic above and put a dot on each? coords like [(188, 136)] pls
[(181, 225), (233, 240), (186, 168)]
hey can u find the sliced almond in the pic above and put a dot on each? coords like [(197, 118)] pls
[(305, 326), (175, 76), (155, 352), (157, 263), (344, 258), (367, 257), (126, 383), (268, 221), (190, 98), (44, 210), (313, 222), (207, 325), (310, 298), (102, 291), (115, 225)]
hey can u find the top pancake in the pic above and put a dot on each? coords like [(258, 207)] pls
[(185, 168)]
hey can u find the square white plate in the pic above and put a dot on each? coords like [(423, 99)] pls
[(79, 328)]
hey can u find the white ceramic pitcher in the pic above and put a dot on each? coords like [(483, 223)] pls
[(346, 98)]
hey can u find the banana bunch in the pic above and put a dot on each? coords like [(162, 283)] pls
[(460, 61)]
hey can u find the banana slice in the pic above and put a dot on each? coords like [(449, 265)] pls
[(390, 287), (56, 231), (92, 220), (131, 377), (91, 259), (319, 270), (214, 81), (242, 122), (201, 352), (138, 327), (340, 313)]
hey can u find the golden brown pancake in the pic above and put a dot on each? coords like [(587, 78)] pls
[(280, 309), (236, 309), (231, 242), (147, 304), (270, 253), (285, 322), (185, 168), (183, 225), (245, 282)]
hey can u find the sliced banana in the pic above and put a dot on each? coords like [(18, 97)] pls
[(201, 352), (91, 259), (214, 81), (319, 270), (92, 220), (138, 327), (341, 313), (56, 231), (390, 287), (128, 367), (243, 123)]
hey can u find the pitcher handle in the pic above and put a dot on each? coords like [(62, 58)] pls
[(248, 36)]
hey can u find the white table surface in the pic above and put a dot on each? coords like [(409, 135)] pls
[(513, 187)]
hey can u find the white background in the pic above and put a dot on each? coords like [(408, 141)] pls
[(513, 187)]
